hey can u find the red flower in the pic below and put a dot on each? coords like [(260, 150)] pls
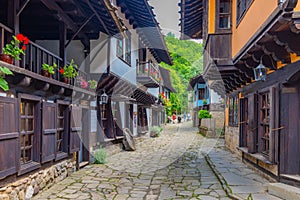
[(20, 37), (23, 48), (26, 40), (61, 71)]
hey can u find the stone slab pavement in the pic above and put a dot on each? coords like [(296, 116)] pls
[(172, 166), (239, 181)]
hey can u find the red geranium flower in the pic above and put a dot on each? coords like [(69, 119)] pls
[(20, 37), (24, 48), (26, 40), (61, 71)]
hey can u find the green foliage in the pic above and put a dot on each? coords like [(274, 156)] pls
[(49, 68), (155, 131), (92, 84), (187, 58), (12, 49), (203, 114), (250, 197), (204, 102), (70, 70), (3, 83), (100, 156)]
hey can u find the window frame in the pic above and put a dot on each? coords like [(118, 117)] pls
[(123, 49), (264, 123), (120, 48), (233, 110), (241, 13), (218, 16), (66, 117), (201, 93), (35, 163)]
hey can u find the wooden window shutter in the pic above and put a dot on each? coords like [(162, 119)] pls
[(274, 124), (242, 130), (9, 136), (48, 132), (75, 129), (252, 128)]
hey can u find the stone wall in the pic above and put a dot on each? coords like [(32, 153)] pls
[(220, 117), (232, 139), (25, 188)]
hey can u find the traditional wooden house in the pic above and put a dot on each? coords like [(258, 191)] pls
[(166, 88), (133, 79), (254, 46), (46, 122), (201, 96)]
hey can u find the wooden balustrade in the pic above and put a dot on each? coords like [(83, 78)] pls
[(36, 55)]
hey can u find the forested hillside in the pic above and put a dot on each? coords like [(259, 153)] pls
[(188, 62)]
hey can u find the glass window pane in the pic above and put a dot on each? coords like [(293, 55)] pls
[(224, 22), (23, 125), (30, 125), (29, 109), (224, 6)]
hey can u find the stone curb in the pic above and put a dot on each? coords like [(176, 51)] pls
[(221, 179)]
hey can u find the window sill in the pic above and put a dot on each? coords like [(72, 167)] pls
[(257, 156), (127, 63), (25, 168), (61, 155)]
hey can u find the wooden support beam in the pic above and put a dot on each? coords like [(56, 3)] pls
[(79, 29), (51, 5), (98, 17), (22, 7)]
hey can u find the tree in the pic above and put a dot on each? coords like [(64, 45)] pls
[(187, 58)]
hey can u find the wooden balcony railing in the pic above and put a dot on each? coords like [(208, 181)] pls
[(35, 56), (147, 69)]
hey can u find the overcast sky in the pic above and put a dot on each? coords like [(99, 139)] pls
[(167, 14)]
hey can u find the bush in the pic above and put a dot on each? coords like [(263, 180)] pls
[(155, 131), (203, 114), (100, 156)]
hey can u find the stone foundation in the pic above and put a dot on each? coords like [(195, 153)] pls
[(25, 188), (220, 117), (232, 139)]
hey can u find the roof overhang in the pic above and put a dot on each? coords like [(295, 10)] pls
[(191, 20), (141, 17), (279, 37)]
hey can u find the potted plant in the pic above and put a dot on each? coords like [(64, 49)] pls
[(92, 84), (68, 72), (83, 83), (3, 83), (203, 114), (48, 70), (14, 49), (155, 131)]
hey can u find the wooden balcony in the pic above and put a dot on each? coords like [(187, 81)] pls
[(30, 68), (148, 74)]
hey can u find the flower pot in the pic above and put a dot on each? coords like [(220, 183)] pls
[(65, 80), (6, 58), (46, 73)]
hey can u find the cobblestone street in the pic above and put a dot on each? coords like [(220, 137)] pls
[(171, 166)]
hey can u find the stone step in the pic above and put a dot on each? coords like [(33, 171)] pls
[(284, 191)]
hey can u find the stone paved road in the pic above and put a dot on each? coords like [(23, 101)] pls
[(168, 167)]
